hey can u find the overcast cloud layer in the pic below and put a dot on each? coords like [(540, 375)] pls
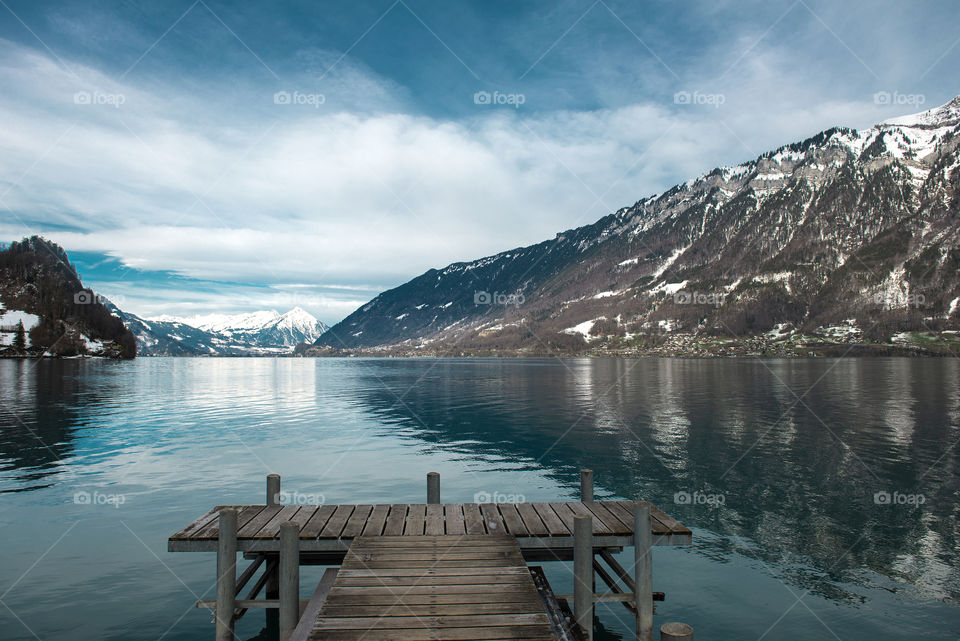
[(188, 182)]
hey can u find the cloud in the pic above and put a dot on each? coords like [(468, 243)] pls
[(227, 185)]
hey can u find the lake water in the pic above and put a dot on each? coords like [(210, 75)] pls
[(788, 465)]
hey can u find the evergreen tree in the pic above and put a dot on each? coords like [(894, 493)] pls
[(20, 338)]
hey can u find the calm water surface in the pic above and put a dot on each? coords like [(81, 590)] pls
[(784, 463)]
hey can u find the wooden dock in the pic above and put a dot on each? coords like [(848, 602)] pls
[(433, 587), (437, 571), (332, 527)]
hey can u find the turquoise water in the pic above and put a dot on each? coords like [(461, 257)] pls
[(784, 461)]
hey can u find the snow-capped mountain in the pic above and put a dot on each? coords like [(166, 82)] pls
[(261, 328), (221, 334), (851, 229)]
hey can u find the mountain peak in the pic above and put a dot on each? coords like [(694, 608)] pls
[(298, 312), (944, 115)]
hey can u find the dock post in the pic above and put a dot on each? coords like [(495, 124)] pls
[(289, 578), (586, 485), (433, 487), (583, 574), (643, 570), (273, 489), (226, 573), (272, 587), (676, 632)]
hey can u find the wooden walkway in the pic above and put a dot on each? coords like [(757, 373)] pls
[(441, 588), (333, 527), (431, 571)]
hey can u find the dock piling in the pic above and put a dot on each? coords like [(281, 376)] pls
[(583, 573), (226, 573), (289, 578), (272, 586), (676, 632), (643, 571), (433, 488), (586, 485), (273, 489)]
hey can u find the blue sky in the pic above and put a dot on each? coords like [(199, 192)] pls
[(203, 156)]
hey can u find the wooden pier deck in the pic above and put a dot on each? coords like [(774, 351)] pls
[(333, 527), (431, 571), (444, 588)]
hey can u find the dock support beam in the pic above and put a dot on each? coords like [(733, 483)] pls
[(433, 487), (583, 574), (586, 485), (226, 573), (289, 578), (643, 570)]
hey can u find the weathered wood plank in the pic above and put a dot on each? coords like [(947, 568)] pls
[(436, 571), (425, 610), (439, 598), (396, 519), (356, 522), (473, 519), (624, 511), (500, 592), (550, 519), (257, 522), (416, 515), (438, 623), (565, 514), (513, 520), (601, 511), (271, 529), (492, 518), (599, 527), (675, 526), (244, 516), (197, 524), (428, 579), (317, 522), (431, 541), (337, 521), (531, 521), (376, 521), (459, 563), (528, 633), (303, 515), (453, 513), (447, 555), (435, 524)]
